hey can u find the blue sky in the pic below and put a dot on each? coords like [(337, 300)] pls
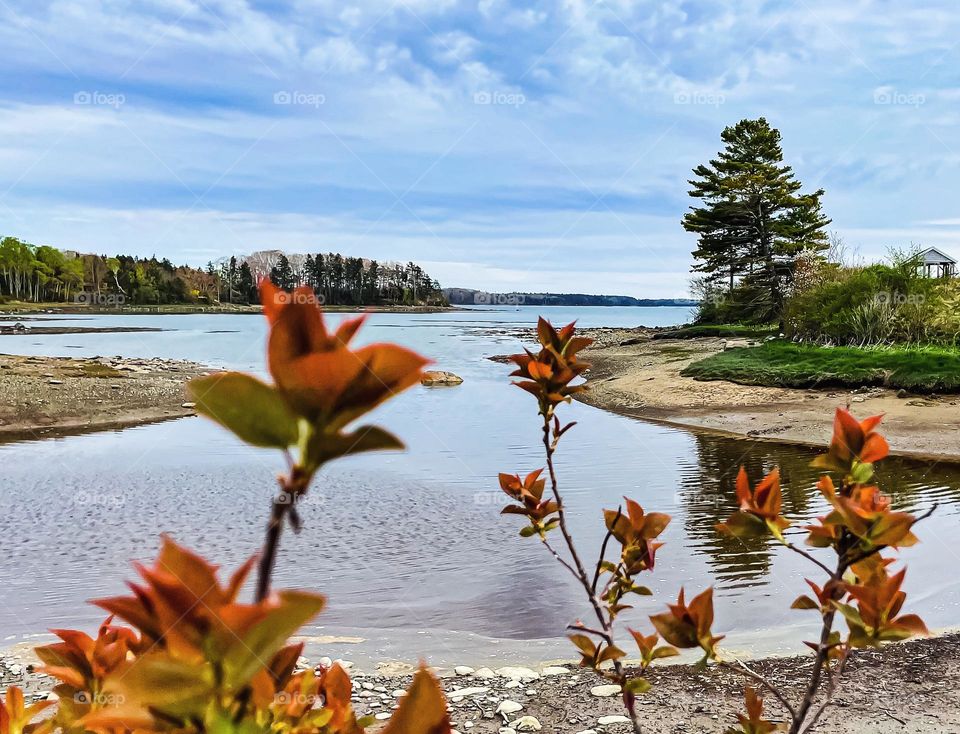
[(504, 145)]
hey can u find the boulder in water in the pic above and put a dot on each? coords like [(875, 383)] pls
[(440, 377)]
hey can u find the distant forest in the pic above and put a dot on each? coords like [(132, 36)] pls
[(467, 296), (47, 274)]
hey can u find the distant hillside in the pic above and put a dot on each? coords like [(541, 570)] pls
[(471, 297)]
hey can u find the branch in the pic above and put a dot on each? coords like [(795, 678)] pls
[(741, 667), (810, 557), (560, 558), (831, 689), (603, 551)]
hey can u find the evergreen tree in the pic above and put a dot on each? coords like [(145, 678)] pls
[(754, 222), (282, 274), (246, 284)]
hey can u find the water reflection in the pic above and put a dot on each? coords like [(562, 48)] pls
[(708, 497)]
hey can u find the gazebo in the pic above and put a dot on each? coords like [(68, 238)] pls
[(935, 264)]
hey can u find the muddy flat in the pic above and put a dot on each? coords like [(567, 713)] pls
[(50, 395)]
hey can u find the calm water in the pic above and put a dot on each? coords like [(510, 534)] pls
[(410, 547)]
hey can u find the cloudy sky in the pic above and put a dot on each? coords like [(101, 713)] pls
[(503, 144)]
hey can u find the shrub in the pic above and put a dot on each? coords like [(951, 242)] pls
[(859, 528), (878, 304)]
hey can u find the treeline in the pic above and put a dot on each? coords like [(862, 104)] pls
[(353, 280), (470, 296), (46, 274)]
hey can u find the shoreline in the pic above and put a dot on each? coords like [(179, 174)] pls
[(26, 309), (634, 375), (55, 396), (564, 699)]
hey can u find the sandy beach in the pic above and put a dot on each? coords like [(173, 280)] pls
[(636, 375)]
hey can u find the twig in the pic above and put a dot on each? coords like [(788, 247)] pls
[(603, 550), (560, 558), (741, 667), (828, 697), (810, 557)]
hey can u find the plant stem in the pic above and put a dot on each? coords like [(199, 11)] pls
[(291, 488), (823, 651), (268, 557), (580, 573)]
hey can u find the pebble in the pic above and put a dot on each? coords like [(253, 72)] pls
[(526, 723), (517, 673), (604, 691), (463, 670), (484, 673), (382, 716), (607, 720), (188, 405), (554, 670), (54, 382), (508, 707)]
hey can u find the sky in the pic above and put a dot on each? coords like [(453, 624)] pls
[(503, 145)]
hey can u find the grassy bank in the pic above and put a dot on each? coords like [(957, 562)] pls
[(783, 364)]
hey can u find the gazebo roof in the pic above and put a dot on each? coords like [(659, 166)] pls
[(933, 256)]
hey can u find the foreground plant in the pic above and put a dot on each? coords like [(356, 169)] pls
[(858, 583), (859, 529), (549, 376), (194, 658), (320, 387)]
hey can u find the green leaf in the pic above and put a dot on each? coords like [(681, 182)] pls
[(637, 685), (527, 531), (253, 410), (641, 590), (246, 654), (324, 446), (744, 525), (804, 602), (850, 613)]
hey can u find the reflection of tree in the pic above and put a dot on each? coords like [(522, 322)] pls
[(707, 494)]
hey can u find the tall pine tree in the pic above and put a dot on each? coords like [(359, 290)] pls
[(753, 223)]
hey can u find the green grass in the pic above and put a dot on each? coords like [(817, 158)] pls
[(723, 330), (783, 364)]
